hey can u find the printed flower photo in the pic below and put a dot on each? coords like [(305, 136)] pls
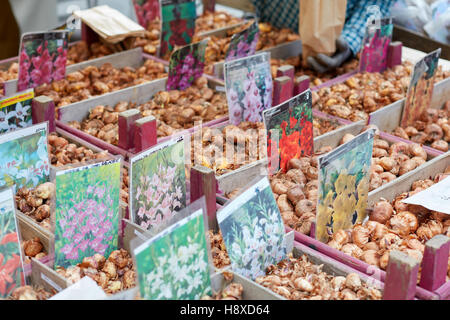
[(15, 112), (178, 24), (248, 87), (253, 230), (174, 265), (11, 269), (158, 184), (87, 212), (344, 186), (291, 123), (243, 44), (186, 65), (24, 157), (42, 58), (146, 11)]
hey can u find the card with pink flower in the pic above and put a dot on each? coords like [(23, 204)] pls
[(186, 65), (146, 11), (42, 58), (86, 211), (248, 84), (158, 184), (243, 44)]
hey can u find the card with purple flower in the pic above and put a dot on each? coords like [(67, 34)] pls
[(253, 230), (248, 84), (243, 44), (42, 58), (15, 111), (158, 184), (86, 211), (186, 65)]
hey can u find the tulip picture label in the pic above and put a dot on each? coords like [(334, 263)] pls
[(248, 83), (15, 111), (42, 58), (290, 127), (11, 268)]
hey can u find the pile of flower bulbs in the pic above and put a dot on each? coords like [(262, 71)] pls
[(218, 250), (80, 51), (33, 248), (30, 293)]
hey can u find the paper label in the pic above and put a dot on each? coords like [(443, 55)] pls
[(243, 44), (85, 289), (146, 11), (15, 111), (50, 282)]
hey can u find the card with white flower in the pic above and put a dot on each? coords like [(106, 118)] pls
[(87, 211), (248, 85), (243, 44), (15, 111), (158, 183), (174, 264), (344, 186), (24, 160), (253, 230)]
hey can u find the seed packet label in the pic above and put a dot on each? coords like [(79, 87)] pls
[(174, 264), (243, 44), (375, 45), (344, 186), (15, 111), (186, 65), (146, 11), (290, 131), (42, 58), (178, 24), (158, 184), (253, 230), (85, 289), (435, 198), (11, 268), (248, 83), (24, 157), (420, 90), (86, 212)]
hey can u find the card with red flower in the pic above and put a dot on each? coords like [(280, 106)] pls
[(146, 11), (86, 211), (243, 44), (289, 131), (177, 24), (42, 58), (11, 267), (420, 90), (157, 184), (375, 45), (248, 85), (186, 65)]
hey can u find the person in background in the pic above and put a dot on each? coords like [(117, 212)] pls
[(284, 14)]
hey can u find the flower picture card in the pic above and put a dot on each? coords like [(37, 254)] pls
[(248, 84), (86, 211), (146, 11), (243, 44), (24, 160), (253, 230), (375, 46), (174, 264), (420, 90), (178, 24), (11, 267), (344, 186), (15, 111), (186, 65), (42, 58), (289, 131), (157, 184)]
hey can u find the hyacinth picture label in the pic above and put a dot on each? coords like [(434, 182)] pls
[(157, 184), (290, 131), (15, 111), (24, 160), (248, 84), (11, 268), (186, 65), (253, 230), (42, 58), (243, 44), (86, 212), (174, 265), (344, 186)]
